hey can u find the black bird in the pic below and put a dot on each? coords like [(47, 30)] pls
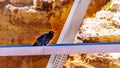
[(44, 39)]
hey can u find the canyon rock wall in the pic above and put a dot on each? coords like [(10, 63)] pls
[(21, 23)]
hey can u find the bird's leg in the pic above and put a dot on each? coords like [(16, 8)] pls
[(44, 44)]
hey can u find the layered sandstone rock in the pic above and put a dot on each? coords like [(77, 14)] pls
[(103, 60), (21, 1), (2, 0), (102, 27)]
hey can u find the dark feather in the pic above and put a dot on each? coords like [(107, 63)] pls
[(44, 39)]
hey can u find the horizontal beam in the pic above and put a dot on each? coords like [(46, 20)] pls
[(59, 49)]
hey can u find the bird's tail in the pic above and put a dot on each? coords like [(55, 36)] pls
[(35, 44)]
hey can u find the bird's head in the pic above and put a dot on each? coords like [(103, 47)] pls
[(51, 32)]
